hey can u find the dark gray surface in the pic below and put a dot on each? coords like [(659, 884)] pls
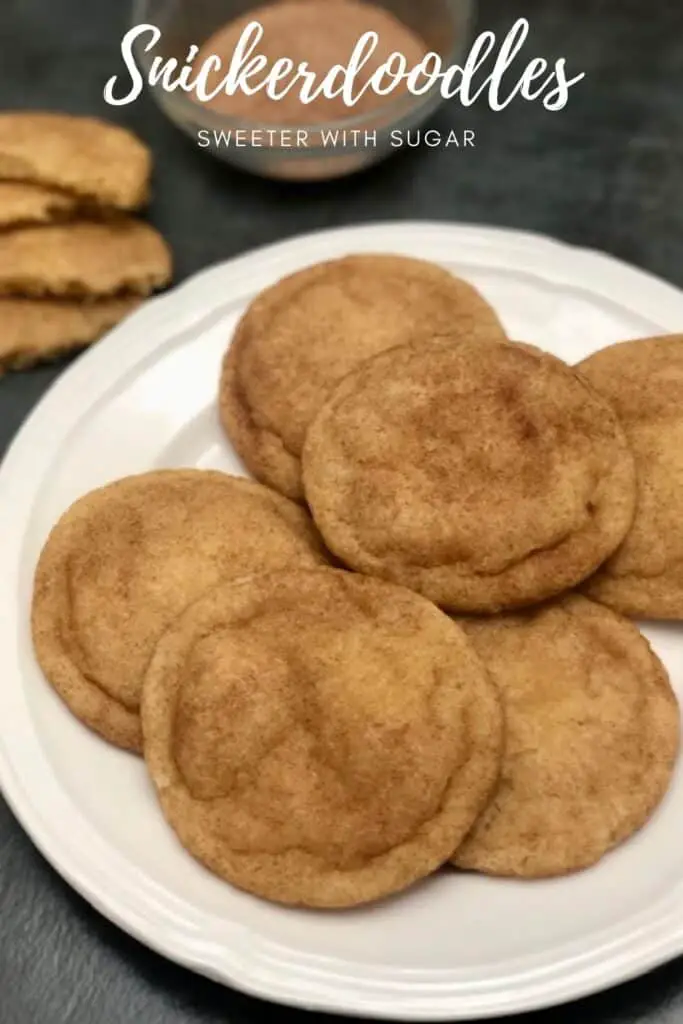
[(606, 172)]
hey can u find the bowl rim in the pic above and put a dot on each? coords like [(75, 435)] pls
[(385, 116)]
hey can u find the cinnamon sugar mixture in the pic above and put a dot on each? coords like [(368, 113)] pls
[(321, 33)]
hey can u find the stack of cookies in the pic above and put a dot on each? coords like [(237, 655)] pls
[(406, 645), (73, 259)]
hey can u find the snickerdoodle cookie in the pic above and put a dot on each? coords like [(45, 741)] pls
[(93, 159), (84, 259), (592, 734), (644, 381), (22, 203), (300, 337), (319, 738), (126, 559), (484, 475), (38, 330)]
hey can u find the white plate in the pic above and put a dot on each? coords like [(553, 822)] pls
[(453, 948)]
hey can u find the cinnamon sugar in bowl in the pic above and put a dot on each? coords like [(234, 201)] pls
[(285, 137)]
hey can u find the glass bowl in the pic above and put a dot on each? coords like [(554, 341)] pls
[(333, 149)]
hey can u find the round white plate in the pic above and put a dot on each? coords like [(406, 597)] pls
[(452, 948)]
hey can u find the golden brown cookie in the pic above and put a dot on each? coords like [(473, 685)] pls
[(126, 559), (592, 735), (644, 382), (300, 337), (22, 203), (483, 475), (38, 330), (319, 738), (84, 259), (99, 161)]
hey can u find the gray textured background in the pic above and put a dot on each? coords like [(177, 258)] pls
[(606, 172)]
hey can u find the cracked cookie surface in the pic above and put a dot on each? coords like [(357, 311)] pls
[(94, 159), (84, 259), (644, 381), (484, 475), (300, 337), (319, 738), (592, 734), (39, 330), (22, 203), (126, 559)]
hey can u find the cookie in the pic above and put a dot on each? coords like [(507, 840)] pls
[(101, 162), (644, 381), (484, 475), (592, 735), (300, 337), (22, 204), (84, 259), (126, 559), (319, 739), (38, 330)]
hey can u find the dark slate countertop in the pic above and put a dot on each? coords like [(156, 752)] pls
[(606, 172)]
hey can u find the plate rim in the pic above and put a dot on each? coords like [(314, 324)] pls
[(312, 985)]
